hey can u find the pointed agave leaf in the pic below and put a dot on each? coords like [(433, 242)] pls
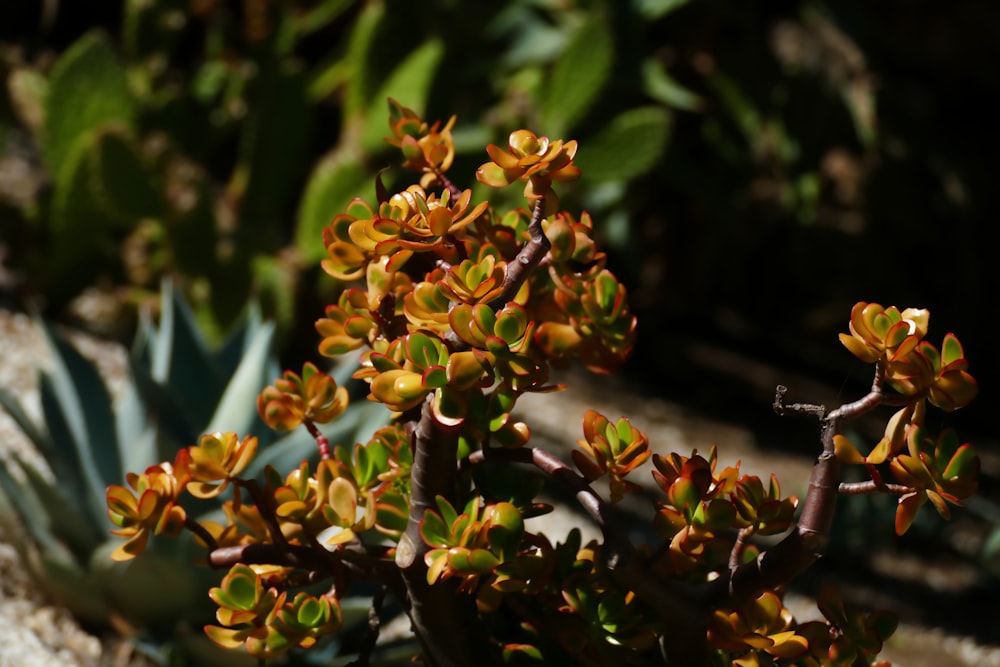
[(136, 435), (154, 587), (234, 347), (142, 343), (170, 426), (75, 394), (80, 533), (181, 361), (27, 507), (344, 369), (63, 459), (237, 409), (51, 562), (38, 438)]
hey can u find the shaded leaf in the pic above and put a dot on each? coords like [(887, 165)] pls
[(410, 83), (578, 76), (87, 89), (629, 146), (336, 179)]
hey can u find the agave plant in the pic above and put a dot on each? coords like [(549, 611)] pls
[(177, 389)]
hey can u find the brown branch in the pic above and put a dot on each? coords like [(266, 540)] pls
[(201, 532), (740, 545), (433, 474), (527, 259), (265, 504), (370, 562), (807, 541), (792, 555), (445, 621), (374, 627), (453, 190), (871, 486)]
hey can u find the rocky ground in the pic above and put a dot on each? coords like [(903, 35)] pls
[(35, 632)]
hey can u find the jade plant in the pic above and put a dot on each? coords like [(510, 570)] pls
[(460, 310)]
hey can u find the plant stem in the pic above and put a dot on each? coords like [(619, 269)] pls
[(529, 257), (321, 441), (808, 540), (445, 622)]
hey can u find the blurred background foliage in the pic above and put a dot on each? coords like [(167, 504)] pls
[(755, 168)]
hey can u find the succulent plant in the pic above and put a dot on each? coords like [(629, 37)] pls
[(177, 389), (463, 314)]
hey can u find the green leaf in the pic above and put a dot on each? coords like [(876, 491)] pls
[(78, 222), (316, 18), (513, 652), (629, 146), (87, 90), (507, 530), (951, 350), (311, 613), (656, 9), (434, 531), (449, 406), (659, 85), (272, 146), (435, 376), (469, 561), (122, 183), (410, 83), (336, 179), (963, 463), (362, 86), (500, 404), (578, 76)]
